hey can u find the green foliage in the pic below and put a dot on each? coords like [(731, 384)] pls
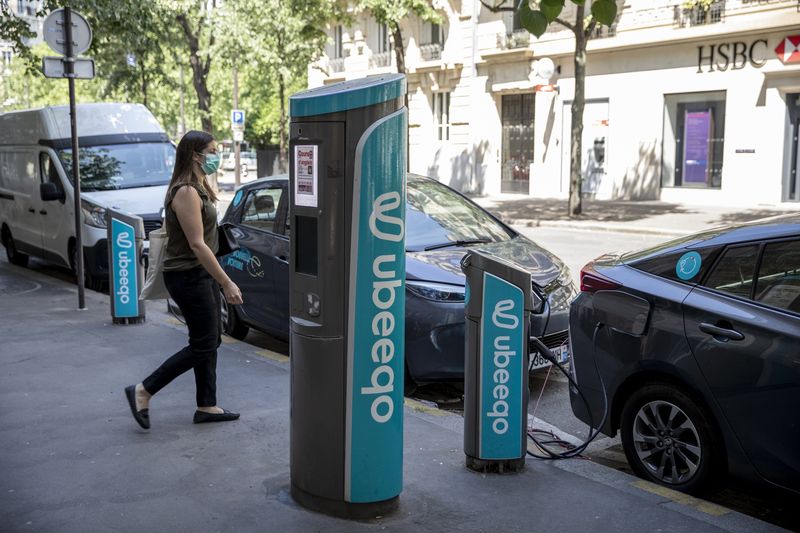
[(391, 12), (604, 11), (534, 21), (546, 12), (551, 9), (703, 5)]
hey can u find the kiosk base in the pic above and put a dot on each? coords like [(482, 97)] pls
[(343, 509), (499, 466), (128, 321)]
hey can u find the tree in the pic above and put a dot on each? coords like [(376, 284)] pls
[(278, 39), (536, 21), (14, 30), (392, 12)]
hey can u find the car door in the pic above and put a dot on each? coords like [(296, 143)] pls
[(743, 325), (266, 246), (55, 215)]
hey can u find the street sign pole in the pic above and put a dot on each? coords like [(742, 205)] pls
[(236, 147), (76, 178)]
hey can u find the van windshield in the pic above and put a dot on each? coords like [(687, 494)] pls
[(122, 166)]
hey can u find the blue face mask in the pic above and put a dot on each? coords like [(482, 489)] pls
[(211, 163)]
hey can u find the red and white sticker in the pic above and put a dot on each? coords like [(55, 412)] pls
[(305, 176)]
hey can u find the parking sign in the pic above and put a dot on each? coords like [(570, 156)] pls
[(237, 119)]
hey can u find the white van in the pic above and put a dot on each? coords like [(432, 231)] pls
[(126, 161)]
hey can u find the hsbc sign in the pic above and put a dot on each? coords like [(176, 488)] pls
[(788, 50), (737, 55)]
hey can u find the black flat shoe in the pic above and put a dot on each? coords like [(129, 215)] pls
[(201, 417), (142, 416)]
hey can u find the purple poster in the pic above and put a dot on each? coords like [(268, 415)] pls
[(696, 142)]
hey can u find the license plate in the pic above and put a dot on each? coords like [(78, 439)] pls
[(561, 353)]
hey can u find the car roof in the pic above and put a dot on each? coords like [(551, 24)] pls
[(774, 227), (284, 177)]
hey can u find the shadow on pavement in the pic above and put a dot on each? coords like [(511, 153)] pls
[(599, 210)]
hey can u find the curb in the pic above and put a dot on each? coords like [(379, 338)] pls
[(598, 226)]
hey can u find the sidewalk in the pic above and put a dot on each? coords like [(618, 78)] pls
[(73, 459), (647, 217)]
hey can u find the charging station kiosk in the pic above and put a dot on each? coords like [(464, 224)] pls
[(500, 299), (125, 271), (347, 177)]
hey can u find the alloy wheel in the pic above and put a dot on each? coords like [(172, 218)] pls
[(667, 442)]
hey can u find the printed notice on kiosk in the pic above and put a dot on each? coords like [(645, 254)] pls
[(305, 171)]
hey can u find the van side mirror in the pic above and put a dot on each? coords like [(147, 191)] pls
[(50, 192)]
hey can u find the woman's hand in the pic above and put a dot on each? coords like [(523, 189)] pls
[(232, 293)]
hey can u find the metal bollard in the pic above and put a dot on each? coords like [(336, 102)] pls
[(125, 270), (500, 299)]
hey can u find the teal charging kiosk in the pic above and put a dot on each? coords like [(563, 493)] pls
[(125, 271), (347, 176)]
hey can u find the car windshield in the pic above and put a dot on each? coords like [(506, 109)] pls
[(438, 217), (122, 166)]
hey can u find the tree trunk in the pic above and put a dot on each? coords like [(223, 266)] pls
[(578, 104), (399, 49), (199, 74), (143, 72), (284, 151)]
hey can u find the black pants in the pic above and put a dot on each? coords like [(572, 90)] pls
[(199, 299)]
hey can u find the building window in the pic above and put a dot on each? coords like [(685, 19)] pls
[(441, 115), (694, 135), (20, 6), (431, 41), (338, 47), (7, 57), (384, 45)]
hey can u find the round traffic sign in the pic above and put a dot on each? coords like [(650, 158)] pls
[(53, 30)]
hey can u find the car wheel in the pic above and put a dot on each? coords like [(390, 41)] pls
[(669, 439), (13, 255), (231, 324), (93, 283), (409, 385)]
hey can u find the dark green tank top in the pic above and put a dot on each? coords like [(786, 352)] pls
[(178, 254)]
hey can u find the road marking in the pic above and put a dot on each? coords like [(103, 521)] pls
[(274, 356), (684, 499)]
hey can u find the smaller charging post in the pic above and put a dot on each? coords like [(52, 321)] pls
[(125, 270), (500, 299)]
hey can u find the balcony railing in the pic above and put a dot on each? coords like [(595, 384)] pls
[(336, 64), (431, 52), (516, 39), (384, 59), (698, 15)]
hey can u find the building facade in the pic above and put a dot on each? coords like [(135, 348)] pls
[(26, 10), (682, 104)]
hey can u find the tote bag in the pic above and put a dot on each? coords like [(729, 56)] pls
[(154, 288)]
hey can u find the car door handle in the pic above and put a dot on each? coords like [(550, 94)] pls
[(42, 212), (721, 333), (31, 210), (283, 259)]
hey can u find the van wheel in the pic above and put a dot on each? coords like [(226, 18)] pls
[(14, 256), (231, 323), (90, 282)]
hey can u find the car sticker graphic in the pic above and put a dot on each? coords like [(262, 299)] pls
[(688, 265)]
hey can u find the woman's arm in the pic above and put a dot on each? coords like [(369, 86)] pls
[(188, 207)]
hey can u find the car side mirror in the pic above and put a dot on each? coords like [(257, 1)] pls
[(50, 192)]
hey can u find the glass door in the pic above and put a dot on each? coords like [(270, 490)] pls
[(794, 148), (517, 121)]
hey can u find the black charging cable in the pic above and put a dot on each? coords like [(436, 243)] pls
[(572, 450)]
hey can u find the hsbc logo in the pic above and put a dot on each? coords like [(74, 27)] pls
[(788, 50)]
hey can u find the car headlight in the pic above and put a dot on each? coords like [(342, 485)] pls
[(439, 292), (93, 214), (564, 276)]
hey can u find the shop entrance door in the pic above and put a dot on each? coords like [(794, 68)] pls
[(517, 119), (793, 189)]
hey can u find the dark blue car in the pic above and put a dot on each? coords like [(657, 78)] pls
[(441, 226), (698, 345)]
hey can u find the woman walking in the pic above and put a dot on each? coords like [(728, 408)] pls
[(193, 278)]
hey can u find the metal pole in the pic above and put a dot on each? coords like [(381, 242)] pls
[(69, 62), (236, 152)]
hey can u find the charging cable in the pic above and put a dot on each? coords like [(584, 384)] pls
[(572, 450)]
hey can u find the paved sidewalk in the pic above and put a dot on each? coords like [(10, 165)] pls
[(73, 459), (650, 217)]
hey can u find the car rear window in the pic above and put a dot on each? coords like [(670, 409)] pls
[(687, 265)]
